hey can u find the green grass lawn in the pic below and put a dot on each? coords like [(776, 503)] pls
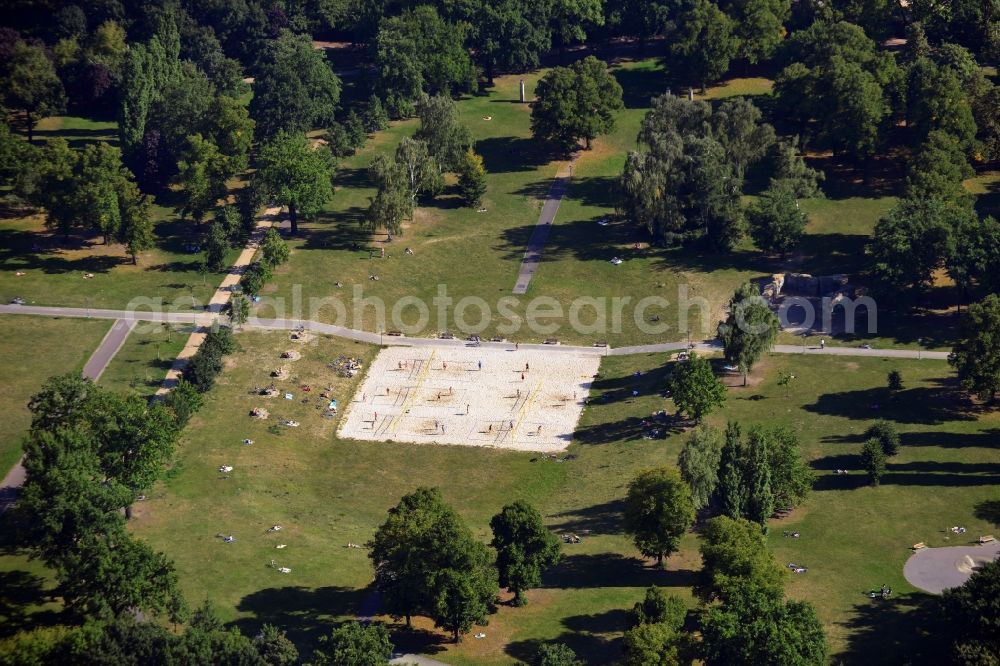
[(326, 492), (143, 360), (32, 349)]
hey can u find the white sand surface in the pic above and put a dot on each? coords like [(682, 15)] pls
[(441, 396)]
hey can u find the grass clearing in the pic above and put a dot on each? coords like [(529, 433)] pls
[(32, 350), (145, 357)]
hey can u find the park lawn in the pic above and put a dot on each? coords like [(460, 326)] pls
[(326, 492), (144, 358), (54, 270), (32, 349), (77, 130)]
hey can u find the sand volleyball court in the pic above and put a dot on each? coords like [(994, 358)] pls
[(470, 396)]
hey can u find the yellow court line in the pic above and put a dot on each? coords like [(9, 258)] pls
[(416, 389), (524, 408)]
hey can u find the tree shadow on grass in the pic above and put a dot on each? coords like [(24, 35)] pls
[(508, 154), (624, 430), (340, 232), (989, 511), (640, 86), (611, 570), (922, 473), (597, 519), (19, 592), (902, 626), (595, 650), (933, 405), (307, 614)]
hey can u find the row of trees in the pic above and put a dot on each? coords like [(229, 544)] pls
[(743, 617), (428, 563)]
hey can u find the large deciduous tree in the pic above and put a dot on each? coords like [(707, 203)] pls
[(510, 35), (695, 389), (296, 174), (576, 102), (525, 547), (32, 85), (703, 42), (699, 464), (355, 644), (775, 221), (419, 52), (969, 617), (658, 512), (750, 329), (294, 88), (426, 561), (976, 355), (441, 129)]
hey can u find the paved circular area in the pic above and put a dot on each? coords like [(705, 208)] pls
[(937, 569)]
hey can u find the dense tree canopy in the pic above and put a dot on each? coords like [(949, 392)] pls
[(294, 89), (575, 102), (525, 547), (658, 512), (295, 173)]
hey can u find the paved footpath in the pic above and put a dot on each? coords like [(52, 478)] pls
[(207, 319), (218, 301), (112, 342), (533, 253)]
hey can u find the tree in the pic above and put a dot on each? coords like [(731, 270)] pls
[(426, 561), (894, 380), (472, 179), (216, 244), (201, 173), (423, 176), (464, 592), (393, 201), (703, 42), (653, 644), (274, 647), (355, 644), (254, 277), (556, 654), (570, 18), (447, 139), (791, 476), (792, 172), (738, 128), (759, 26), (937, 100), (658, 512), (418, 52), (969, 615), (758, 504), (295, 174), (32, 85), (184, 401), (750, 329), (910, 243), (239, 309), (684, 186), (658, 607), (375, 119), (873, 459), (756, 625), (694, 387), (273, 249), (886, 434), (976, 355), (525, 547), (510, 35), (294, 88), (576, 102), (699, 462), (939, 170), (733, 552), (776, 222), (136, 229), (731, 490)]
